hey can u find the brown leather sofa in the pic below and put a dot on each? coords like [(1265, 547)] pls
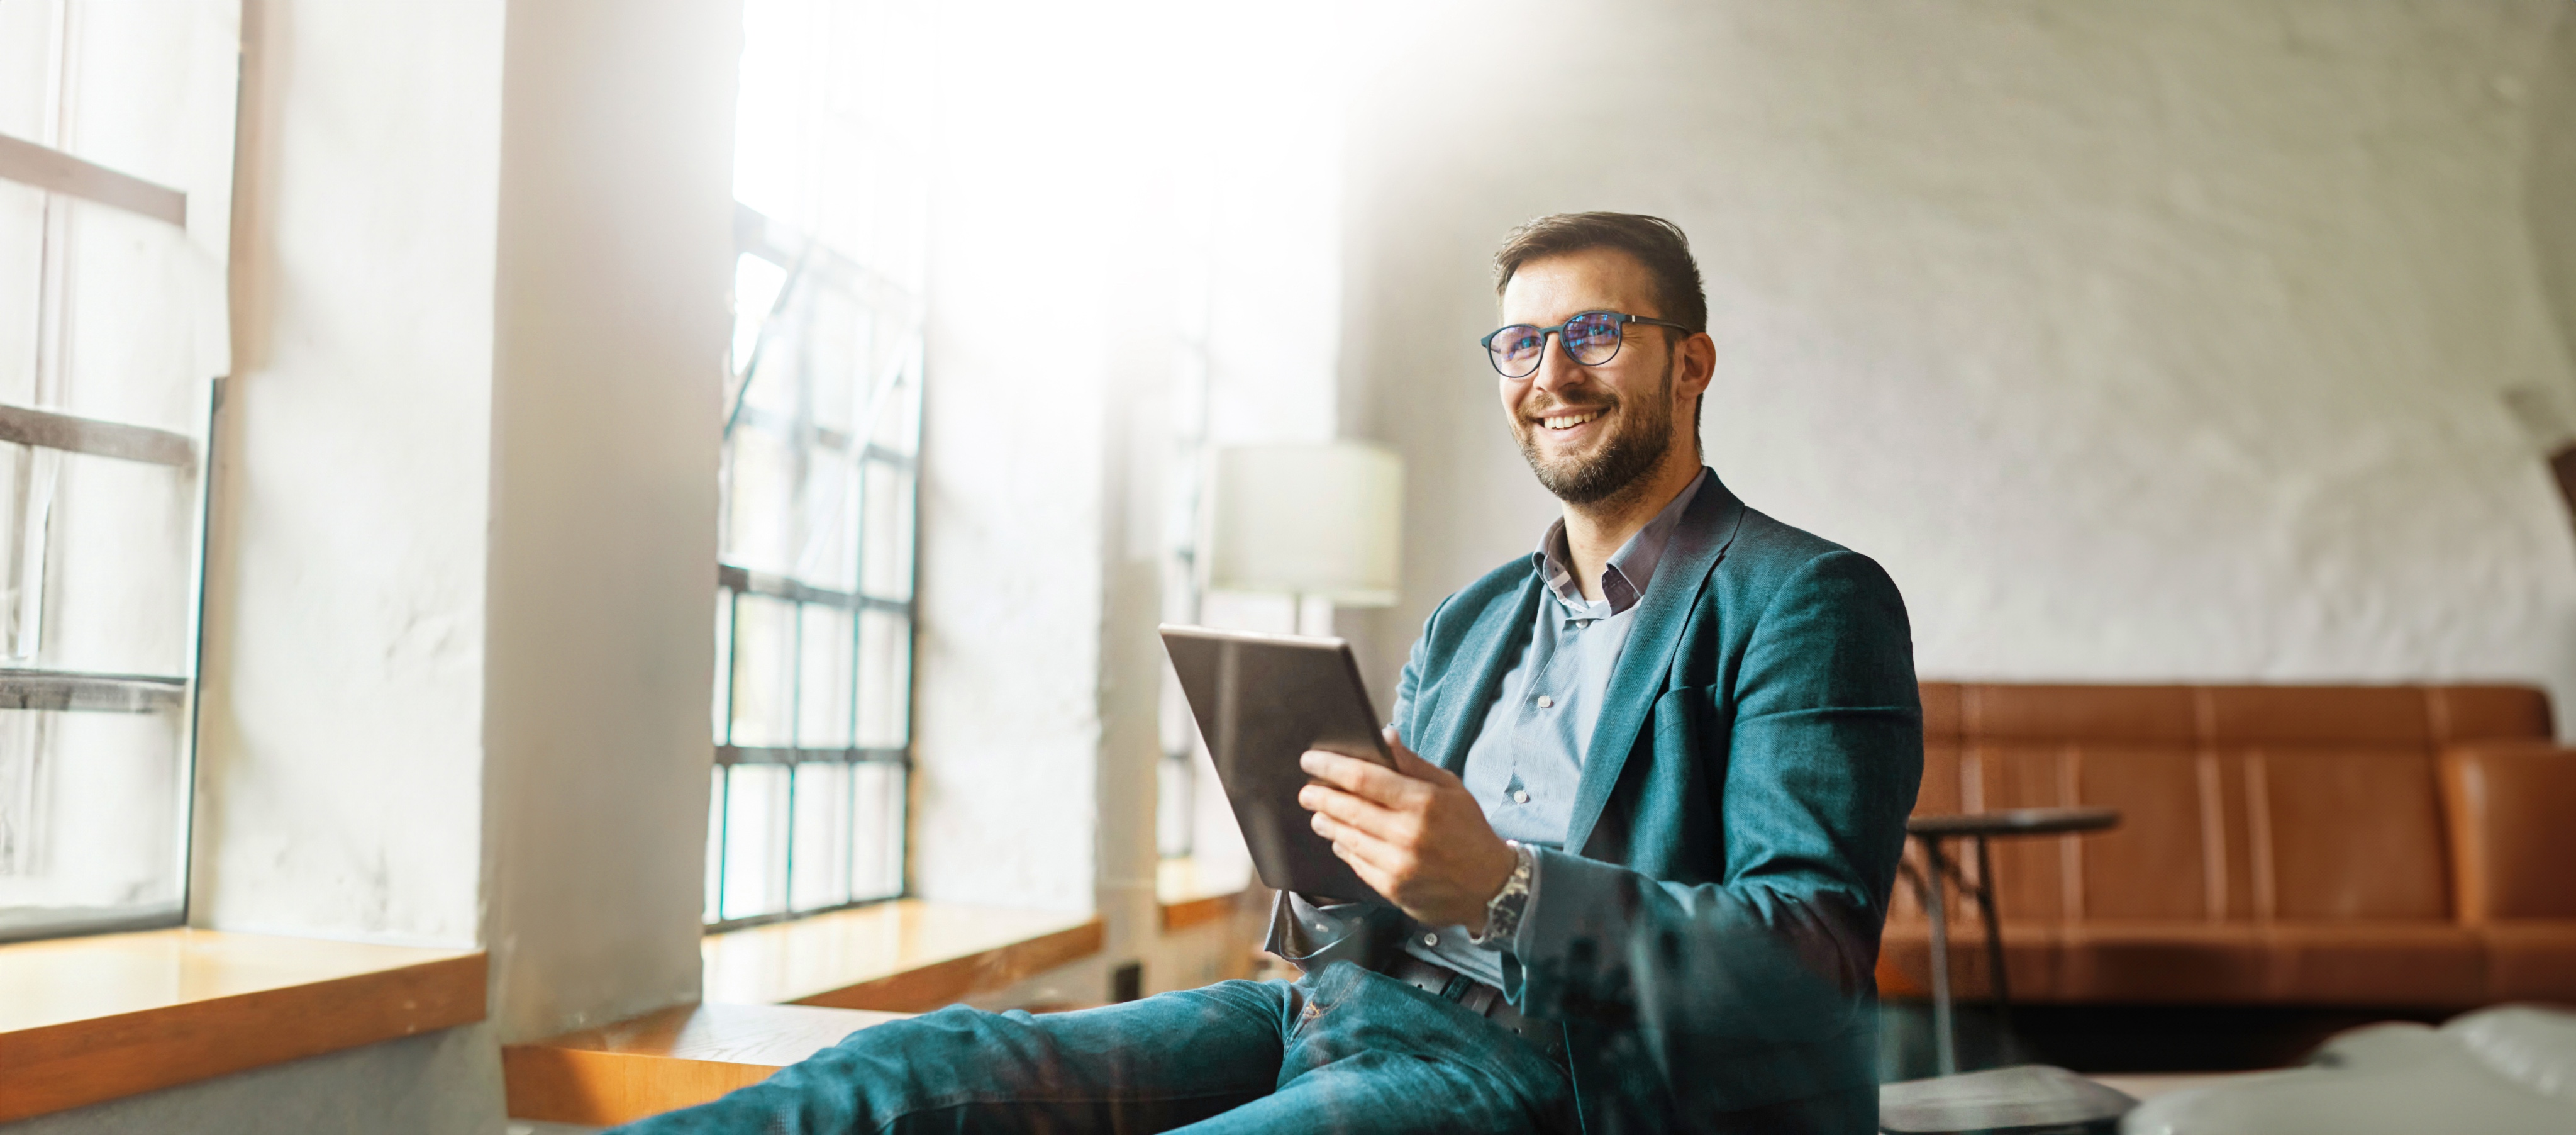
[(2308, 845)]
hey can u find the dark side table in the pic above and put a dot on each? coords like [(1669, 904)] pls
[(1978, 827)]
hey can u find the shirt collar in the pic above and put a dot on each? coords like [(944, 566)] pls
[(1631, 569)]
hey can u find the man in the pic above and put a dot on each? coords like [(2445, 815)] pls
[(1639, 867)]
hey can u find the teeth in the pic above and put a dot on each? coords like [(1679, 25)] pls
[(1568, 421)]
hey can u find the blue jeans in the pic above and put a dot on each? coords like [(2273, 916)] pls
[(1342, 1050)]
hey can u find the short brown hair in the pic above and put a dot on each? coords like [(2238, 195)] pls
[(1655, 242)]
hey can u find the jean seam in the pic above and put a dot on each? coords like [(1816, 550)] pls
[(945, 1103)]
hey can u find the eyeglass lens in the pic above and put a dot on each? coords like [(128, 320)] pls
[(1592, 339)]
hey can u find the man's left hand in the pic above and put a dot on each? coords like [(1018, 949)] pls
[(1412, 832)]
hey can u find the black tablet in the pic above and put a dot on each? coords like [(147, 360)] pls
[(1261, 700)]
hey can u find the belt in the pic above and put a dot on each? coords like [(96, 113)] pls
[(1481, 999)]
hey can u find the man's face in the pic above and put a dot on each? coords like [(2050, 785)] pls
[(1591, 431)]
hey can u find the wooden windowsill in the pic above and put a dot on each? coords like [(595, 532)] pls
[(671, 1059), (779, 993), (86, 1020), (901, 956), (1193, 894)]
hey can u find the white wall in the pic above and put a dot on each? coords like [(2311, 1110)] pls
[(616, 253), (1008, 719), (340, 764), (2139, 340), (2549, 199)]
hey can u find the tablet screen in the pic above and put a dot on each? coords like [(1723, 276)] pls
[(1260, 702)]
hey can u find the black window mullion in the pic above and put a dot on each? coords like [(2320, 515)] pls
[(733, 686), (795, 734)]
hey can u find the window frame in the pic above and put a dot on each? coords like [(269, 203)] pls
[(67, 182), (810, 263)]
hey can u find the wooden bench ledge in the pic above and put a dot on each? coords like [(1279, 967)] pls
[(680, 1056), (777, 994), (1191, 895), (902, 956), (86, 1020)]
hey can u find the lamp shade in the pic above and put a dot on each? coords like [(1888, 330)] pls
[(1320, 519)]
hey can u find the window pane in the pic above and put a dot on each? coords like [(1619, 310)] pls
[(823, 705), (836, 363), (22, 244), (722, 694), (98, 556), (759, 477), (764, 672), (826, 522), (885, 680), (755, 288), (130, 293), (26, 70), (887, 545), (91, 807), (755, 838), (877, 859), (772, 394), (898, 423), (822, 835)]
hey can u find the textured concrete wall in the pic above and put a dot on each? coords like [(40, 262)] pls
[(1008, 656), (2550, 196), (610, 327), (340, 757), (444, 1083), (2139, 340)]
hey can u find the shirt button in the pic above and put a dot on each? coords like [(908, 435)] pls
[(1545, 701), (1430, 939)]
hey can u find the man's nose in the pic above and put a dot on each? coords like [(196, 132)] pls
[(1556, 366)]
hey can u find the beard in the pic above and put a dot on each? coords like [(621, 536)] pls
[(1639, 444)]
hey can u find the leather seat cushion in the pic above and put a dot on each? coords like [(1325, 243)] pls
[(2030, 959), (2161, 962), (2372, 962), (2532, 960)]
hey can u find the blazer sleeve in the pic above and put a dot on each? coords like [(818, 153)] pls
[(1410, 681), (1821, 745)]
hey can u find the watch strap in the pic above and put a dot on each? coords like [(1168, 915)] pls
[(1503, 913)]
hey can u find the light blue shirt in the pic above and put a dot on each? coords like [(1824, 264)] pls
[(1527, 758)]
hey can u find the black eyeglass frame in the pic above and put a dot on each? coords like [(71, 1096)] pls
[(1619, 339)]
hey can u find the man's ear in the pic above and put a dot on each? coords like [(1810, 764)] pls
[(1698, 364)]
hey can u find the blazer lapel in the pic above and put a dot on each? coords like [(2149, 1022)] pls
[(1490, 647), (1698, 542)]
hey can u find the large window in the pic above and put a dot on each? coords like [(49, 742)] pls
[(115, 136), (814, 623)]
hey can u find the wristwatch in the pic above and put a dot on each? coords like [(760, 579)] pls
[(1503, 913)]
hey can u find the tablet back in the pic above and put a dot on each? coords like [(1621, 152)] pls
[(1260, 701)]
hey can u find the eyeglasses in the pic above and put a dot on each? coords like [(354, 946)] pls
[(1592, 338)]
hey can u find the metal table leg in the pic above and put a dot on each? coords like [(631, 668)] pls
[(1994, 945), (1945, 1050)]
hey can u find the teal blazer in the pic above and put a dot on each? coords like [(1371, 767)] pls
[(1708, 936)]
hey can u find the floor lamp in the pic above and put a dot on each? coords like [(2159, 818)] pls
[(1307, 520)]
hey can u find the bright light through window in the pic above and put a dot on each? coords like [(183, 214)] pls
[(115, 136), (814, 620)]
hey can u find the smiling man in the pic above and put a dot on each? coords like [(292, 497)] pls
[(1638, 868), (1670, 753)]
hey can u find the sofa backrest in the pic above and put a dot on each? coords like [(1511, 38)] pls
[(2239, 803), (2512, 808)]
